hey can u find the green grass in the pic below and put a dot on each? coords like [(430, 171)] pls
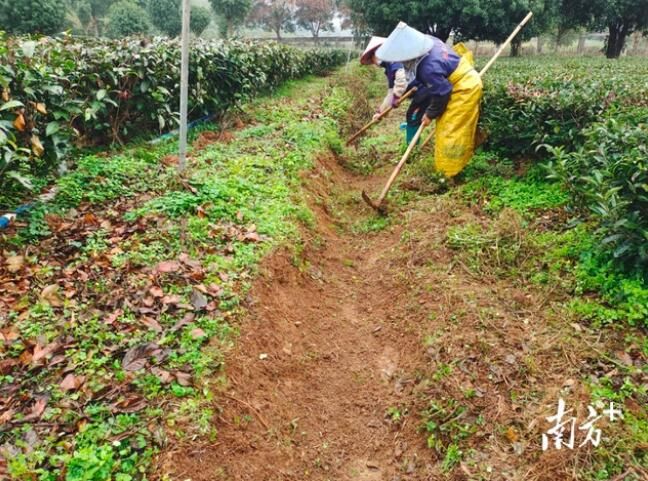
[(490, 181)]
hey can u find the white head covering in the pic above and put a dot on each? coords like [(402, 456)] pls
[(404, 43), (374, 43)]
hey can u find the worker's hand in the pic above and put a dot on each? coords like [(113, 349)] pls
[(376, 116), (395, 101), (425, 121)]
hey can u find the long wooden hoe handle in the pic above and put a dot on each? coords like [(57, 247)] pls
[(406, 155), (506, 43), (492, 60), (380, 117)]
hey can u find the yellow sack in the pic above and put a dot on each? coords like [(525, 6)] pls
[(455, 129)]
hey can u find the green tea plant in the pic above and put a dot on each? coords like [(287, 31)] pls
[(60, 93), (608, 178)]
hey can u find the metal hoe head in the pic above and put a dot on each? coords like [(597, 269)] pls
[(380, 208)]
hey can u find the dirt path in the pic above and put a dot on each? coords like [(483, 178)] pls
[(319, 362), (347, 345)]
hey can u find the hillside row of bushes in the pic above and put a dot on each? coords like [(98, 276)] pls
[(61, 93), (591, 119)]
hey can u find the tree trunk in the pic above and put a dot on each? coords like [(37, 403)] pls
[(538, 45), (581, 44), (636, 42), (616, 39), (442, 33), (515, 47), (278, 33), (316, 31)]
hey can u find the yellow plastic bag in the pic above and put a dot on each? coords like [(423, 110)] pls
[(455, 129)]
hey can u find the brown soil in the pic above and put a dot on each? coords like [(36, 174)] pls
[(342, 339), (210, 137)]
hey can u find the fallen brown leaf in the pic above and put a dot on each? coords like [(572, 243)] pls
[(164, 376), (187, 319), (168, 266), (172, 299), (183, 378), (151, 323), (42, 352), (26, 357), (72, 382), (111, 318), (50, 295), (136, 358), (197, 333), (6, 416), (15, 263), (198, 300), (37, 409), (156, 292)]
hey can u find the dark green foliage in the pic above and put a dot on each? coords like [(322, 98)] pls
[(101, 91), (125, 18), (166, 16), (530, 103), (488, 20), (608, 178), (619, 17), (231, 14), (201, 17), (32, 16), (591, 116)]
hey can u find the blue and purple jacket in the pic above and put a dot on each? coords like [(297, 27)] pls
[(434, 68), (390, 71)]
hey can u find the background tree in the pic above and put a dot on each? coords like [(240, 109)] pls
[(90, 14), (274, 16), (231, 14), (494, 20), (437, 17), (621, 18), (201, 17), (491, 20), (315, 15), (127, 18), (33, 16), (165, 15)]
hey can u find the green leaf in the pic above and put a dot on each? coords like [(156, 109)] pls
[(52, 128), (12, 104), (26, 183), (101, 94)]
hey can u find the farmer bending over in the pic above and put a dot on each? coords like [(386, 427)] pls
[(395, 73), (449, 90)]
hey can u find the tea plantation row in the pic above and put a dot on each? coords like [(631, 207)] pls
[(590, 117), (58, 93)]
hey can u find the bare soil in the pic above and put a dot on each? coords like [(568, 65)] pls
[(342, 345)]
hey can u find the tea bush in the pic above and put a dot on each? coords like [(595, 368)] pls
[(57, 93), (591, 117), (607, 177), (528, 103)]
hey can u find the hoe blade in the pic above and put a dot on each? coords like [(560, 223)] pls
[(377, 207)]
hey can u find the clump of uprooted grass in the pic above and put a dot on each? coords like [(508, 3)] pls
[(498, 248)]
